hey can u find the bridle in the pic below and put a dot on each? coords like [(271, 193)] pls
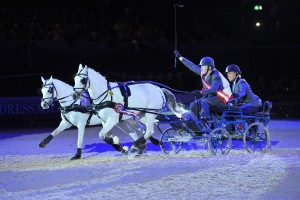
[(52, 90), (85, 82)]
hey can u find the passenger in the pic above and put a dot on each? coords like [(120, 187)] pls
[(242, 95), (216, 88)]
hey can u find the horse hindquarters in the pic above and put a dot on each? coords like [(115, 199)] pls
[(154, 102)]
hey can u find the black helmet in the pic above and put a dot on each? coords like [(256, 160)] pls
[(207, 61), (233, 68)]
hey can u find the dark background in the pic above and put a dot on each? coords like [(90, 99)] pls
[(134, 40)]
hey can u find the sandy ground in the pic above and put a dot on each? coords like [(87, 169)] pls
[(30, 172)]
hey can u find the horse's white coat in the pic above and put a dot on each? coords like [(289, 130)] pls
[(144, 95), (62, 91)]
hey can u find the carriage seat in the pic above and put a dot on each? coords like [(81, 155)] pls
[(266, 110), (218, 110)]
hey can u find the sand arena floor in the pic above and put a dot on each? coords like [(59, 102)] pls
[(30, 172)]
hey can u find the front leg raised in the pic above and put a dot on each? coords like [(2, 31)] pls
[(46, 141), (62, 126)]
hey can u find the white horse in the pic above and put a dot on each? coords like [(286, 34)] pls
[(121, 101), (72, 113)]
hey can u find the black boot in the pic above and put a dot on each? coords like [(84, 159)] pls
[(78, 155), (140, 144), (110, 141), (46, 141), (155, 141)]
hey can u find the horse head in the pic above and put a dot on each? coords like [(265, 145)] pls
[(82, 82), (48, 91)]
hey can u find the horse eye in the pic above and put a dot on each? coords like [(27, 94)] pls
[(84, 81)]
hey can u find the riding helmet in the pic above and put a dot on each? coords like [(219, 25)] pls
[(233, 68), (207, 61)]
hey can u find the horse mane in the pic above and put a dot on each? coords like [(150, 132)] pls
[(65, 85), (94, 71)]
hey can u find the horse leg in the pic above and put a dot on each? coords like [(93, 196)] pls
[(80, 128), (46, 141), (149, 121), (152, 139), (127, 127), (62, 126), (142, 129), (140, 144), (107, 126)]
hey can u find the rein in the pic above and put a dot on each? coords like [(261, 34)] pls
[(110, 104), (155, 83), (54, 98)]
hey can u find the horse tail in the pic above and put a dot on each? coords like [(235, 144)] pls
[(176, 108)]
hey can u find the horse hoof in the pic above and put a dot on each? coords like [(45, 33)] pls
[(133, 149), (154, 141), (125, 150), (76, 157), (41, 145), (140, 152)]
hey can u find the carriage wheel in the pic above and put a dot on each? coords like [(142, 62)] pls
[(256, 138), (168, 142), (219, 141)]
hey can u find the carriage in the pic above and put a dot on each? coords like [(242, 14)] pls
[(219, 132)]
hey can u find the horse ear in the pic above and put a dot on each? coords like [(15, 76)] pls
[(85, 67), (80, 66), (50, 79), (43, 80)]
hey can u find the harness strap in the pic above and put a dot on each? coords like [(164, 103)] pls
[(64, 115), (77, 108), (109, 91), (105, 104), (125, 91), (89, 119)]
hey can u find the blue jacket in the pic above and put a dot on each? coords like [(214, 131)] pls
[(243, 94), (216, 79)]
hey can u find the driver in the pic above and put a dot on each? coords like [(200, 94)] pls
[(216, 88)]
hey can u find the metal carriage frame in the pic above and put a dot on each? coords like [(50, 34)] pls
[(218, 133)]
